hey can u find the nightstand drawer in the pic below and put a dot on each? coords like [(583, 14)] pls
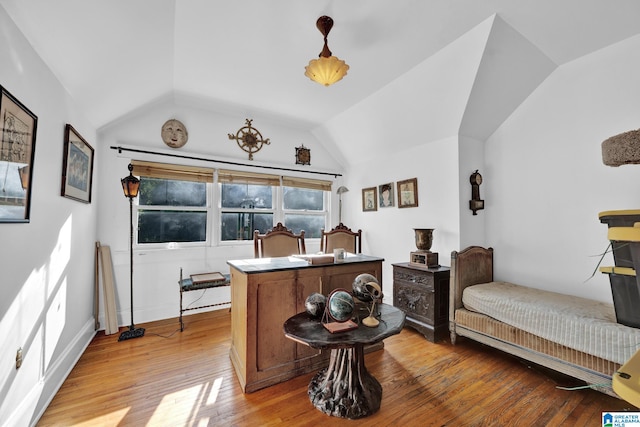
[(406, 276)]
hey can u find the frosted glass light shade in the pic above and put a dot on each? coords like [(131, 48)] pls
[(326, 70)]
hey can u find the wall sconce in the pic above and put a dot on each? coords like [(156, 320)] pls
[(130, 186), (475, 204)]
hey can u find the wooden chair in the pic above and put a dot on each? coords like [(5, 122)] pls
[(278, 242), (341, 237)]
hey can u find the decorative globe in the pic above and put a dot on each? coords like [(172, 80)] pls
[(360, 290), (340, 305), (315, 304)]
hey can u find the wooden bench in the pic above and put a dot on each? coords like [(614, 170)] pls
[(187, 285)]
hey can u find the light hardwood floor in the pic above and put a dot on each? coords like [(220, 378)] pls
[(169, 378)]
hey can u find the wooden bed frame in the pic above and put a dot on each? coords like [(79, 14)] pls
[(474, 265)]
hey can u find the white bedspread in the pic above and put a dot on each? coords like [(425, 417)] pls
[(579, 323)]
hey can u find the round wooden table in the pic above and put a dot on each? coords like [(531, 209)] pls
[(345, 388)]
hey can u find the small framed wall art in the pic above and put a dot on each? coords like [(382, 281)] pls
[(369, 199), (17, 153), (303, 155), (77, 166), (386, 195), (408, 193)]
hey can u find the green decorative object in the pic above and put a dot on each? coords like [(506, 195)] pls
[(340, 305)]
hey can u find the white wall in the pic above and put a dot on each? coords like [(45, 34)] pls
[(46, 292), (156, 272), (545, 180), (388, 232)]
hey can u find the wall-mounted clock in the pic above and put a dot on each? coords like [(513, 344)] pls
[(475, 204)]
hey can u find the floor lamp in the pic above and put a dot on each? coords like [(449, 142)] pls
[(130, 186)]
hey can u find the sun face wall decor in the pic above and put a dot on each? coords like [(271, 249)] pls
[(174, 133), (249, 139)]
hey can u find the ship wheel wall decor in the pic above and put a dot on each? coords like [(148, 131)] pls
[(249, 139)]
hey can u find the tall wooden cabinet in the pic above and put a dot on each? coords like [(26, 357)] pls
[(265, 292), (423, 294)]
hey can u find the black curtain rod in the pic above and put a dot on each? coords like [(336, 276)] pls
[(182, 156)]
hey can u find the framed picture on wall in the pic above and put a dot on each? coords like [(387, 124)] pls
[(369, 199), (77, 166), (408, 193), (17, 153), (385, 194)]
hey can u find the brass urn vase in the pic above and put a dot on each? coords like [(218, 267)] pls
[(424, 238), (424, 257)]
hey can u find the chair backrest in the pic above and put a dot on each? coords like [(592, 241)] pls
[(278, 242), (341, 237)]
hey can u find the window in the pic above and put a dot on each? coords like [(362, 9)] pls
[(171, 211), (245, 207), (304, 209), (174, 204), (251, 201)]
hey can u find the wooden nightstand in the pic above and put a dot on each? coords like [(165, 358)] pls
[(423, 294)]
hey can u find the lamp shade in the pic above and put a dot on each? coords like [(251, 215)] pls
[(622, 149), (24, 176), (342, 189), (130, 184), (326, 70)]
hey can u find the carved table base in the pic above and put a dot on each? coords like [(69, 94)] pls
[(345, 388)]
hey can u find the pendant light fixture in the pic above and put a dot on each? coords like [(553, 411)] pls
[(327, 69)]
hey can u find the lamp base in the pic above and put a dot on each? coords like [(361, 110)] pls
[(370, 321), (133, 332)]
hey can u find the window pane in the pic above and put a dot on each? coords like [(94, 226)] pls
[(246, 196), (240, 225), (303, 199), (171, 226), (311, 224), (165, 192)]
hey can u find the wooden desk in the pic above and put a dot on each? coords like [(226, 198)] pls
[(265, 292), (345, 388)]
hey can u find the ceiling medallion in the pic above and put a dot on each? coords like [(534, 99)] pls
[(249, 139)]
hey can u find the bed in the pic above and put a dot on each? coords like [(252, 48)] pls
[(572, 335)]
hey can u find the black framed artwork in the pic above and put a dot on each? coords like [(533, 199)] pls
[(77, 166), (17, 154)]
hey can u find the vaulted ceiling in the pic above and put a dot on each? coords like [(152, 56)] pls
[(117, 56)]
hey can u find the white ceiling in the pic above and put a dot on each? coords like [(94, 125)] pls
[(116, 56)]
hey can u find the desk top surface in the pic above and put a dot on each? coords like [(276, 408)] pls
[(309, 330), (263, 265)]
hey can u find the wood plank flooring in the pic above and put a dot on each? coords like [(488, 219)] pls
[(169, 378)]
